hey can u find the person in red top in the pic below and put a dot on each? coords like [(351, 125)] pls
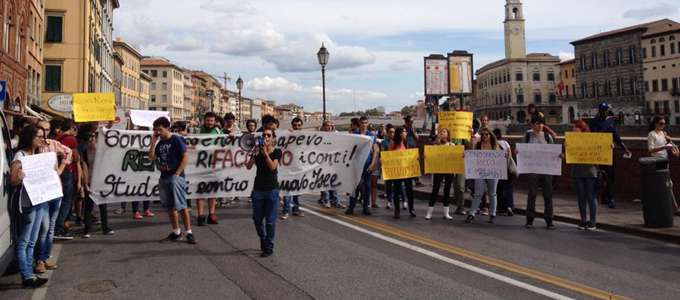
[(69, 179), (400, 144)]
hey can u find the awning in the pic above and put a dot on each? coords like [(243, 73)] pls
[(42, 113)]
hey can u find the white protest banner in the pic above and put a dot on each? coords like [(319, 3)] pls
[(41, 182), (311, 162), (486, 164), (544, 159), (145, 118)]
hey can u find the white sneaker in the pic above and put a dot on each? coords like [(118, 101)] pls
[(428, 216), (447, 215)]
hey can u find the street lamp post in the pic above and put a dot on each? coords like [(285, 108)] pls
[(323, 55), (239, 86)]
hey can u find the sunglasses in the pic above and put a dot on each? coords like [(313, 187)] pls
[(662, 123), (268, 135)]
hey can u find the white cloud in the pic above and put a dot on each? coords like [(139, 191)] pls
[(564, 55), (656, 10), (276, 84)]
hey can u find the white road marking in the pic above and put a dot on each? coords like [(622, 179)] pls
[(443, 258), (41, 292)]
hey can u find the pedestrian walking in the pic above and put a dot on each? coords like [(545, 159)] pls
[(604, 123), (209, 127), (171, 152), (385, 145), (487, 142), (659, 144), (506, 198), (364, 188), (536, 135), (266, 191), (585, 181), (291, 204), (70, 180), (45, 239), (31, 139), (398, 186)]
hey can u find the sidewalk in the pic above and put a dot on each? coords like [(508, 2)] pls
[(625, 218)]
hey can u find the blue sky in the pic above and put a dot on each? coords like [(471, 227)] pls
[(377, 47)]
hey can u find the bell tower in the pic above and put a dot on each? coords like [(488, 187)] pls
[(515, 41)]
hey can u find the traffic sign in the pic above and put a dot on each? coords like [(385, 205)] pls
[(3, 90)]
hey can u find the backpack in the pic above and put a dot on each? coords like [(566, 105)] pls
[(548, 137)]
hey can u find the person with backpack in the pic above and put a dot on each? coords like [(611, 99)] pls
[(536, 135), (506, 199)]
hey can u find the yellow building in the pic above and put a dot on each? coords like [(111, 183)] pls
[(144, 86), (167, 86), (129, 88), (34, 50), (78, 52)]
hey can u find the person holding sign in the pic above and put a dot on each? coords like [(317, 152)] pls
[(443, 138), (31, 139), (536, 135), (171, 152), (603, 123), (585, 180), (488, 186), (266, 191), (364, 188), (385, 145), (400, 144)]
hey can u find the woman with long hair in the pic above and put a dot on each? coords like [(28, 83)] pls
[(659, 144), (398, 186), (385, 144), (585, 180), (443, 139), (31, 139), (487, 142)]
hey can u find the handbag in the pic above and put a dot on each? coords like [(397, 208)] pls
[(512, 168)]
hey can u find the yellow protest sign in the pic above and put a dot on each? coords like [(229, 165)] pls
[(589, 148), (444, 160), (94, 107), (459, 123), (400, 164)]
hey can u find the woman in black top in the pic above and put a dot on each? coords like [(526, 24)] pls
[(266, 191)]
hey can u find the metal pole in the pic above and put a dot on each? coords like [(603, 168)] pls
[(238, 109), (323, 84)]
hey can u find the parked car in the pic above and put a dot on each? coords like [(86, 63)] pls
[(9, 216)]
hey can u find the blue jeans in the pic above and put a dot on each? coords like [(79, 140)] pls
[(265, 205), (363, 190), (68, 181), (485, 185), (291, 204), (32, 219), (173, 192), (46, 237), (585, 190), (331, 196)]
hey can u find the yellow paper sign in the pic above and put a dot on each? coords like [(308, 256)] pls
[(94, 107), (459, 123), (400, 164), (589, 148), (444, 160)]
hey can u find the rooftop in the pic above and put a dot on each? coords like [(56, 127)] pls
[(645, 28)]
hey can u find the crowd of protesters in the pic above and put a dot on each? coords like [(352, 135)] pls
[(75, 147)]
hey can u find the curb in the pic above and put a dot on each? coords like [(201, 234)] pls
[(604, 226)]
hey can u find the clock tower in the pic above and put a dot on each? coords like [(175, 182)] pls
[(515, 42)]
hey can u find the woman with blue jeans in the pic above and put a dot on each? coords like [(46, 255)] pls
[(585, 180), (31, 139), (487, 142), (266, 191)]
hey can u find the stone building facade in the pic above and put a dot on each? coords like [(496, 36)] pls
[(609, 69), (506, 87), (13, 68), (661, 71)]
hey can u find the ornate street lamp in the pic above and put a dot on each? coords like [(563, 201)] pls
[(239, 86), (323, 55)]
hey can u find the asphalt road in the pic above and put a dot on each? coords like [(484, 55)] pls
[(327, 255)]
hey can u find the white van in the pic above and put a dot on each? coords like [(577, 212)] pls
[(8, 214)]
